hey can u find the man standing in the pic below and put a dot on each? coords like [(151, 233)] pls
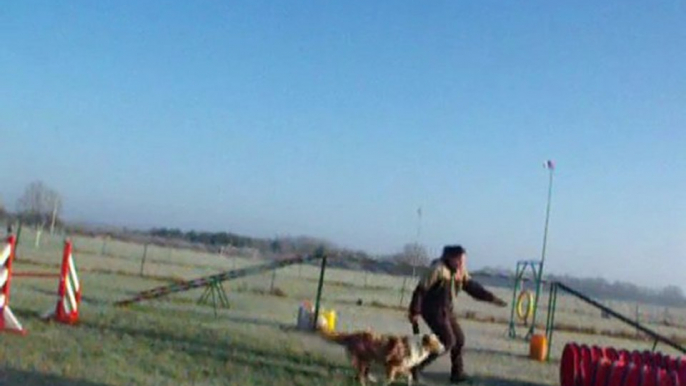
[(433, 300)]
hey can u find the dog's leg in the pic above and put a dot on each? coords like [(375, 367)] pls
[(371, 378), (410, 378), (364, 373), (359, 369), (391, 373)]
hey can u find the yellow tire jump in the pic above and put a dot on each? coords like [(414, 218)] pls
[(522, 312)]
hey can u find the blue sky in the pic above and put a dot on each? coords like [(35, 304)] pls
[(339, 119)]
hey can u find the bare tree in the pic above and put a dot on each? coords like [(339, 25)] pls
[(40, 204)]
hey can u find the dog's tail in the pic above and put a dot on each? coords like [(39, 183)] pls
[(332, 336)]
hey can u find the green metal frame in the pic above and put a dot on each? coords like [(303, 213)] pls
[(215, 290), (537, 270), (550, 321)]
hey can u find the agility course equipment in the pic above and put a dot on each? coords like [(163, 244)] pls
[(582, 365), (217, 279), (69, 290), (8, 322), (552, 305), (520, 294), (537, 268)]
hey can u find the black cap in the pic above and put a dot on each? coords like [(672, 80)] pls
[(453, 250)]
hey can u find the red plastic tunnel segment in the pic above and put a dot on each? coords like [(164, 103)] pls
[(658, 359), (681, 371), (601, 372), (648, 376), (625, 356), (617, 374), (586, 366), (633, 375), (674, 376), (663, 378), (610, 353), (569, 365), (648, 358)]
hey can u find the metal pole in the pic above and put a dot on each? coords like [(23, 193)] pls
[(419, 233), (551, 168), (319, 291), (552, 306), (547, 215)]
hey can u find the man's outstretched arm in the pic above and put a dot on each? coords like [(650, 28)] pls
[(477, 291)]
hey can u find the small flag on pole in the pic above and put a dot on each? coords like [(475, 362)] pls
[(549, 164)]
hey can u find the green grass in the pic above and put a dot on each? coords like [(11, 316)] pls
[(177, 342)]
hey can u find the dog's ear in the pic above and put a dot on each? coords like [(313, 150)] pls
[(426, 340)]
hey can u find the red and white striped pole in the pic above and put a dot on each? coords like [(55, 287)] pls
[(69, 290), (8, 322)]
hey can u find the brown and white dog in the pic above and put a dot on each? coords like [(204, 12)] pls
[(397, 354)]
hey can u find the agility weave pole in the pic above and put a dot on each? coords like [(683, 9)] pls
[(218, 278), (8, 322)]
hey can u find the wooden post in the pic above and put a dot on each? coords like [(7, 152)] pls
[(271, 286), (54, 217), (402, 290), (145, 254), (104, 246), (39, 230)]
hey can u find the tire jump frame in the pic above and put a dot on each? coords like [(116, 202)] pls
[(520, 295)]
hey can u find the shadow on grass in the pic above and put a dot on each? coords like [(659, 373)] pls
[(480, 380), (504, 353), (29, 378), (236, 352), (497, 381), (258, 322), (490, 351)]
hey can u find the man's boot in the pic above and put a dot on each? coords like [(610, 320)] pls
[(457, 375)]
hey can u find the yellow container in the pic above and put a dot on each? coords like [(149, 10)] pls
[(330, 318)]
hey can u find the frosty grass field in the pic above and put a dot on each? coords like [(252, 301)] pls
[(175, 341)]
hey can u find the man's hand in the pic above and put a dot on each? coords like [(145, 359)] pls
[(499, 302), (413, 318)]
